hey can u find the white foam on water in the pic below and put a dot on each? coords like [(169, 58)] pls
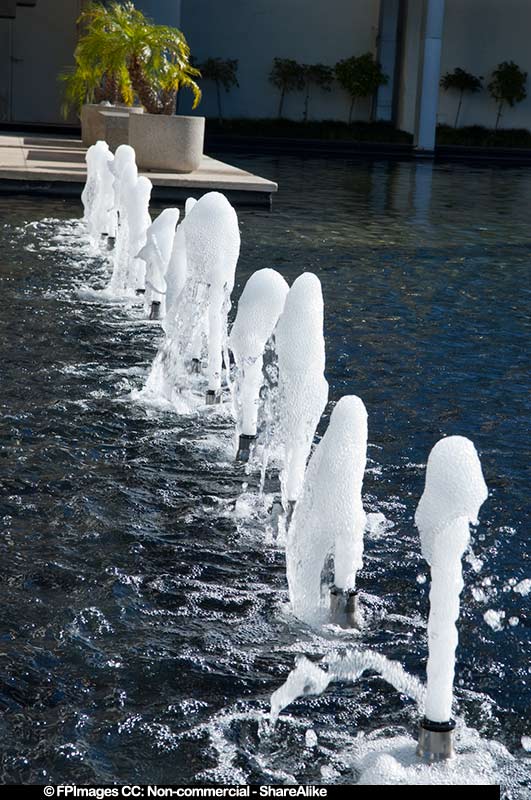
[(523, 587), (494, 619)]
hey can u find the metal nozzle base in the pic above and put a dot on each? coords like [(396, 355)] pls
[(290, 508), (344, 607), (140, 291), (244, 446), (195, 366), (110, 242), (155, 310), (436, 741), (212, 398)]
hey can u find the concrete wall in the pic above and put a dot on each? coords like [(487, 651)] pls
[(255, 31), (42, 43), (478, 34)]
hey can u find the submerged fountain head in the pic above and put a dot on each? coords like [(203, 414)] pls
[(454, 492), (155, 310), (212, 398), (244, 447), (344, 607), (436, 741)]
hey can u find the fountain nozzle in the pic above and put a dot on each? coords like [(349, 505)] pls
[(344, 607), (436, 741), (244, 446), (195, 366), (212, 398), (140, 291), (155, 310), (110, 242)]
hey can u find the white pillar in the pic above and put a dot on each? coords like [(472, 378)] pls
[(387, 45), (428, 99)]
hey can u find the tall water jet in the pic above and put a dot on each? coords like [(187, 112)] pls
[(302, 387), (156, 256), (177, 269), (197, 321), (98, 193), (329, 520), (212, 247), (134, 220), (259, 308), (453, 494)]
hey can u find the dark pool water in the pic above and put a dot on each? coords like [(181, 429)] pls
[(143, 621)]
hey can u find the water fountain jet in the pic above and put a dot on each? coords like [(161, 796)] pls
[(156, 254), (453, 494), (259, 308), (302, 388), (329, 518)]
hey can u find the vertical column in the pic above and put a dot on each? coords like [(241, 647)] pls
[(428, 99), (387, 47)]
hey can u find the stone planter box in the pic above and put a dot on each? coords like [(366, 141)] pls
[(167, 143), (106, 122)]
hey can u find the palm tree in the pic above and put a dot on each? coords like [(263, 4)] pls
[(123, 48)]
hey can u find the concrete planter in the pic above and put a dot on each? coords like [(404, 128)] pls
[(167, 143), (100, 121)]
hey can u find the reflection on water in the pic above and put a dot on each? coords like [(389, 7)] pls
[(144, 625)]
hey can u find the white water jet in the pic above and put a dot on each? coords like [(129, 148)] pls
[(308, 678), (329, 518), (177, 269), (197, 323), (213, 247), (156, 256), (302, 387), (454, 492), (134, 220), (259, 308), (98, 193)]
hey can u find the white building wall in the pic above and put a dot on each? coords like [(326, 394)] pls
[(256, 31), (478, 35)]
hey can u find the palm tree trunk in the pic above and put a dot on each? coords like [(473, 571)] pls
[(281, 104), (167, 102), (306, 103), (146, 94), (458, 109), (499, 115), (218, 93), (351, 110)]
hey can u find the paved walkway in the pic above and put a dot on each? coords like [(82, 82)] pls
[(56, 165)]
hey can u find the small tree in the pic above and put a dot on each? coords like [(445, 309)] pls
[(507, 86), (288, 76), (360, 76), (462, 81), (317, 75), (222, 72)]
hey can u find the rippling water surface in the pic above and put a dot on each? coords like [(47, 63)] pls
[(144, 622)]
